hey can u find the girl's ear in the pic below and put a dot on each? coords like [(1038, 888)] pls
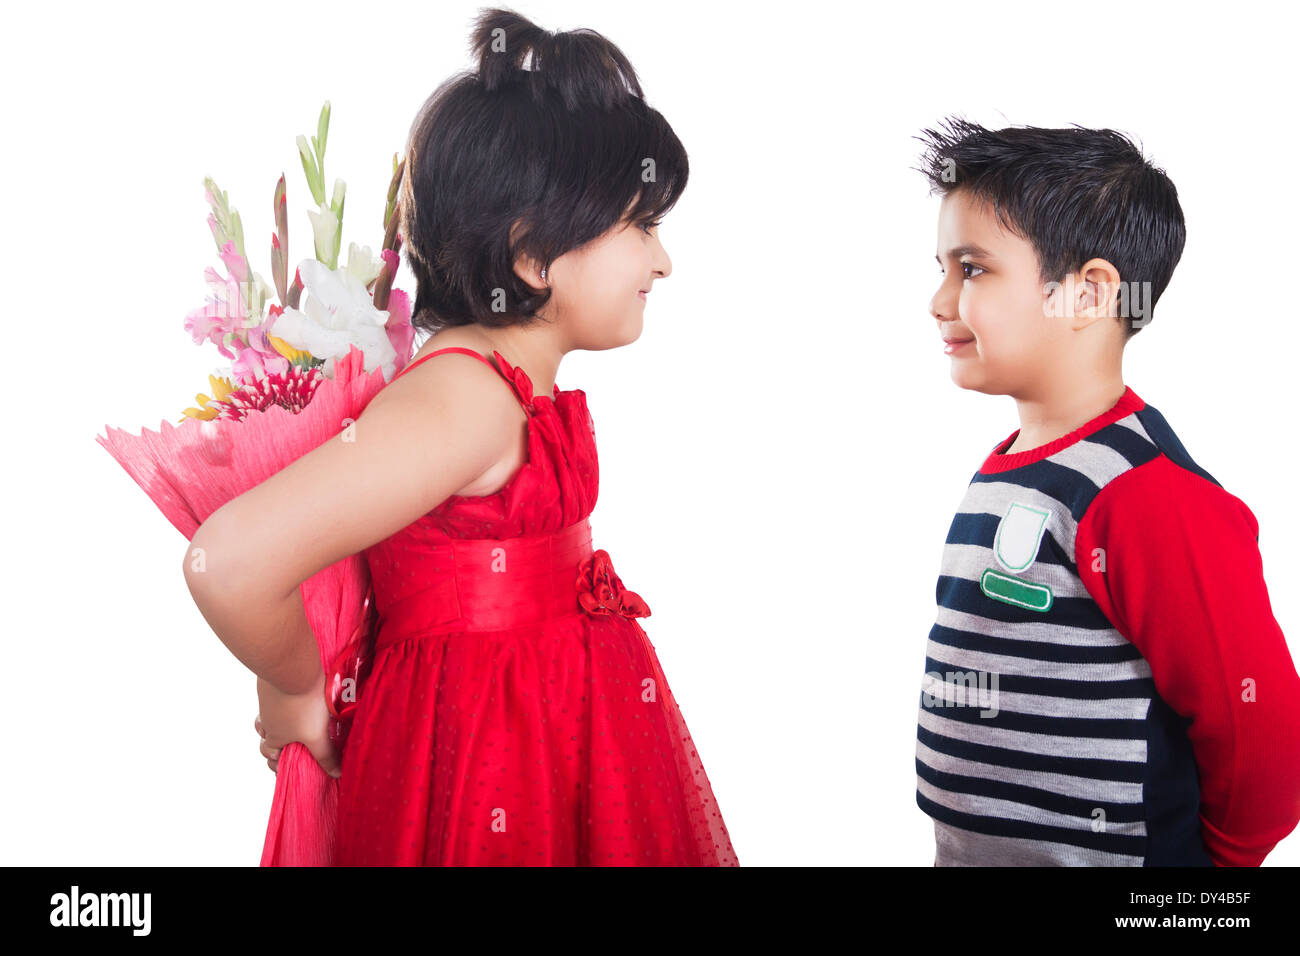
[(526, 267), (531, 271)]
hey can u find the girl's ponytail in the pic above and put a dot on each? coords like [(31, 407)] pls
[(581, 66)]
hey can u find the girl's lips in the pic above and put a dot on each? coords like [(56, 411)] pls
[(955, 345)]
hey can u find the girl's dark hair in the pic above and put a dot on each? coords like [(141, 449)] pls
[(1073, 194), (545, 147)]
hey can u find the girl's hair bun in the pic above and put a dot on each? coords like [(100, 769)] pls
[(582, 66)]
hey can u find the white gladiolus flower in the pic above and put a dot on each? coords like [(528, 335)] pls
[(337, 313), (325, 231), (364, 264)]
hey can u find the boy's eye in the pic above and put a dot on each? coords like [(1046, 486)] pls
[(647, 226), (966, 267)]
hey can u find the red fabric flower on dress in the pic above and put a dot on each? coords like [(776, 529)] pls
[(600, 591), (523, 384)]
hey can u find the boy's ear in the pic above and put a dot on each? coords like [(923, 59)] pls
[(1096, 290)]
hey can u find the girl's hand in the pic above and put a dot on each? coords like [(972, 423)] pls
[(284, 718)]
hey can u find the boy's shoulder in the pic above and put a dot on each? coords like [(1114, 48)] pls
[(1154, 427), (1131, 467), (1148, 485)]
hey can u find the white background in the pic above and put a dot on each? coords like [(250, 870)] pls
[(781, 451)]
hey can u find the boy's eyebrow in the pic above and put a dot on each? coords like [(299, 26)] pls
[(968, 250)]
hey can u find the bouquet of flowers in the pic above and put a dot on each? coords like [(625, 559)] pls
[(301, 372)]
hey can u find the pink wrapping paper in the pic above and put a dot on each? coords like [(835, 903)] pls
[(192, 469)]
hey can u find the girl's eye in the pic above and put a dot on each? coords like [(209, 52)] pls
[(969, 265), (647, 226)]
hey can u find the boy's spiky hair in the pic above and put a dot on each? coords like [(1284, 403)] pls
[(1074, 194)]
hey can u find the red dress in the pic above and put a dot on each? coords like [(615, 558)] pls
[(515, 712)]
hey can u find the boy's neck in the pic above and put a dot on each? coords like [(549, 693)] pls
[(1067, 406)]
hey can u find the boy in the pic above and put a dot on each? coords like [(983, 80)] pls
[(1105, 683)]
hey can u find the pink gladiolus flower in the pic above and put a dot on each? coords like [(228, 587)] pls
[(223, 315), (252, 364), (399, 329), (272, 360), (207, 323), (235, 263)]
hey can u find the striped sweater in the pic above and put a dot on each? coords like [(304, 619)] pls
[(1105, 683)]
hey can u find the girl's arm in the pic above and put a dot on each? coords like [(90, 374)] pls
[(420, 440)]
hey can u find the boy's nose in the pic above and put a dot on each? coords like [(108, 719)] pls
[(943, 305)]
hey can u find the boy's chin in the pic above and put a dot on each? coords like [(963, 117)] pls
[(971, 382)]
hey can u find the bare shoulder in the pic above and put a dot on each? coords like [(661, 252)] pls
[(453, 390), (454, 382), (461, 392)]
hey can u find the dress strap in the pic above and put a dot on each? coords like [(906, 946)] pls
[(525, 402)]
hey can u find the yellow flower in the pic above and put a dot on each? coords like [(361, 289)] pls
[(221, 388), (295, 356)]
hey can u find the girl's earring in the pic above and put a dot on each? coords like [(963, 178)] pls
[(543, 275)]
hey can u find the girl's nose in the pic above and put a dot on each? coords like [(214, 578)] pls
[(664, 264)]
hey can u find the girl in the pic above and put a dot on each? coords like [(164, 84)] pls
[(515, 712)]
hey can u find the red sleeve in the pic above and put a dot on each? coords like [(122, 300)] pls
[(1184, 582)]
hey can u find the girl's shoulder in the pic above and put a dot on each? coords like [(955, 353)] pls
[(459, 393), (453, 361)]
